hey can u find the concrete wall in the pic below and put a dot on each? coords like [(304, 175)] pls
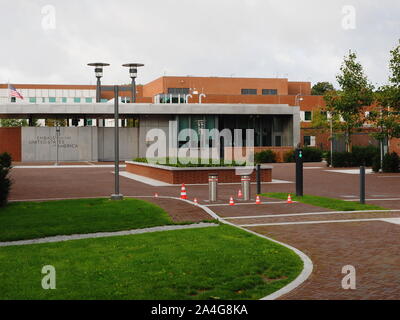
[(128, 143), (148, 122), (77, 144)]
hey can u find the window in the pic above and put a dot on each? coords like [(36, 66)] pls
[(32, 100), (249, 91), (178, 90), (77, 100), (309, 141), (13, 99), (103, 100), (52, 99), (88, 100), (43, 100), (307, 115), (269, 92), (64, 100)]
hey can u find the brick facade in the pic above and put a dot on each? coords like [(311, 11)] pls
[(10, 141), (191, 175)]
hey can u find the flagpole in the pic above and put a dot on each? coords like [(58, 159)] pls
[(9, 95)]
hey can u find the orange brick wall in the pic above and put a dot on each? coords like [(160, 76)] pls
[(10, 141), (191, 175)]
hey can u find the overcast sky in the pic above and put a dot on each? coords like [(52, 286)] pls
[(51, 41)]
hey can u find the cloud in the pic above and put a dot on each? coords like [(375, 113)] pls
[(303, 40)]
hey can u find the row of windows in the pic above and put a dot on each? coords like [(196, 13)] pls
[(264, 92), (63, 100), (178, 90)]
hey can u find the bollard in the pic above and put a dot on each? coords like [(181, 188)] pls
[(212, 187), (299, 172), (258, 178), (245, 179), (362, 185)]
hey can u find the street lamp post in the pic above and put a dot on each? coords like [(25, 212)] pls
[(57, 143), (116, 195), (99, 73), (98, 70), (133, 74)]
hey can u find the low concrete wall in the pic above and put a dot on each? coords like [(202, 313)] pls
[(192, 175), (77, 144)]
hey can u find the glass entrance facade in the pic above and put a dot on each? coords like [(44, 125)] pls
[(269, 130)]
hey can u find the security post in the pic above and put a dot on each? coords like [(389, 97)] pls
[(299, 172), (213, 186), (362, 185), (245, 179), (258, 178)]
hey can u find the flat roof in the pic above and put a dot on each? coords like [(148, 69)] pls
[(106, 110)]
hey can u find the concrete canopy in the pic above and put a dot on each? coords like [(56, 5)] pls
[(106, 110)]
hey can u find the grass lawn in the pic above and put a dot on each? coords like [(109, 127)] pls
[(324, 202), (220, 262), (28, 220)]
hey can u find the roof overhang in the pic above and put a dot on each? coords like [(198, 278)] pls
[(106, 110)]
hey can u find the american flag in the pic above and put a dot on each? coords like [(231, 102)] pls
[(14, 92)]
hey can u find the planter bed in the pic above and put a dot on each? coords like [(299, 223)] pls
[(192, 175)]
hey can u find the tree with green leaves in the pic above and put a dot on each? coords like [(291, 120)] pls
[(320, 88), (13, 123), (348, 103), (385, 116)]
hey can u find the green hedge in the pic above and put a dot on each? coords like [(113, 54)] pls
[(266, 156), (391, 163), (360, 156), (5, 181), (310, 154)]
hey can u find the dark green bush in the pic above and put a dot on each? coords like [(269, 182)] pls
[(266, 156), (391, 163), (5, 182), (360, 156), (310, 154)]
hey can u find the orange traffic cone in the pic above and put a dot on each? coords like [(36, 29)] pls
[(289, 198), (183, 192), (156, 195), (195, 201), (258, 200), (231, 202), (240, 195)]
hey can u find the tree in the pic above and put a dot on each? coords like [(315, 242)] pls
[(385, 116), (320, 88), (56, 122), (349, 102), (13, 123)]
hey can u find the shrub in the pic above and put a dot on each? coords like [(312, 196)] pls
[(266, 156), (364, 156), (391, 163), (5, 182), (309, 155), (360, 156)]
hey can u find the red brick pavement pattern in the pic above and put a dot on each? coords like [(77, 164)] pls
[(180, 211), (321, 217), (371, 247)]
